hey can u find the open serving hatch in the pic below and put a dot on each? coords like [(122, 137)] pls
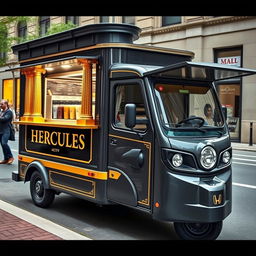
[(200, 71)]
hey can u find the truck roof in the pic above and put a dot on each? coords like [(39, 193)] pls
[(122, 70)]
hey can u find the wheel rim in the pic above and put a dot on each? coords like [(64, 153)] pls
[(39, 189), (198, 229)]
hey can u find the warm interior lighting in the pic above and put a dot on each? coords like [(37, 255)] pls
[(66, 66)]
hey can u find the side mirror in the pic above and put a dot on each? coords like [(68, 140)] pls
[(130, 115), (224, 111)]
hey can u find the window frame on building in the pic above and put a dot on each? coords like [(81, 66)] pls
[(73, 19), (126, 19), (22, 29), (44, 24), (173, 20)]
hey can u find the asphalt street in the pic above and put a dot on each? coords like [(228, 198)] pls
[(121, 223)]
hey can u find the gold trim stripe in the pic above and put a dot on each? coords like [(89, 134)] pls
[(124, 71), (67, 168)]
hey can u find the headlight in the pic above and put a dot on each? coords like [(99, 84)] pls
[(226, 157), (208, 157), (177, 160)]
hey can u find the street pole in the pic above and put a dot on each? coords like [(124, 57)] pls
[(251, 132)]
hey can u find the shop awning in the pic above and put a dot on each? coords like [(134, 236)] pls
[(202, 71)]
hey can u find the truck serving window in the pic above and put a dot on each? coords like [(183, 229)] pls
[(188, 110), (63, 92), (60, 91)]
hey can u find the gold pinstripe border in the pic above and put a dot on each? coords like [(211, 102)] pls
[(62, 157), (145, 201)]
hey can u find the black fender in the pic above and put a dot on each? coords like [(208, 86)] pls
[(37, 166), (120, 188)]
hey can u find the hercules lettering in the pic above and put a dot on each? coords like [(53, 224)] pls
[(61, 139)]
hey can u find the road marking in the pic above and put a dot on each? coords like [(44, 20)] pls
[(244, 185), (242, 159), (243, 163), (243, 155)]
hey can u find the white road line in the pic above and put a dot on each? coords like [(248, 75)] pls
[(243, 185), (243, 155), (242, 159), (243, 163)]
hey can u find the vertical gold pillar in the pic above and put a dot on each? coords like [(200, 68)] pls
[(37, 95), (33, 95), (29, 73), (86, 105)]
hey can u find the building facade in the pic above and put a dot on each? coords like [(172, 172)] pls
[(222, 39)]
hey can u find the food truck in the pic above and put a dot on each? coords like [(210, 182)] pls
[(115, 122)]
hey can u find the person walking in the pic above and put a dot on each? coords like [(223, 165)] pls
[(6, 117)]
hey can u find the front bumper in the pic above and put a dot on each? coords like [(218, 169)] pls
[(195, 199)]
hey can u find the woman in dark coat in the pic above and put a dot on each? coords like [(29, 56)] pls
[(6, 117)]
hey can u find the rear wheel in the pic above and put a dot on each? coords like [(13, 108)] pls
[(41, 197), (198, 231)]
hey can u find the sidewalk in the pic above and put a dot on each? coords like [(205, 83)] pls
[(243, 146), (18, 224)]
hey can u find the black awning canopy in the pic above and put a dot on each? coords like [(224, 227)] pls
[(202, 71), (52, 61)]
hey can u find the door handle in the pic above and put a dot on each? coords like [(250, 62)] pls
[(113, 141)]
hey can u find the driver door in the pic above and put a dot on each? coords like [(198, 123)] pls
[(130, 151)]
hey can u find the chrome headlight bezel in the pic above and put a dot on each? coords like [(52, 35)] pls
[(177, 160), (226, 157), (208, 157)]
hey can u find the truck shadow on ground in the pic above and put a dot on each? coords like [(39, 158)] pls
[(108, 222)]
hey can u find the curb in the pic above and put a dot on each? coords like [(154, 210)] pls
[(42, 223)]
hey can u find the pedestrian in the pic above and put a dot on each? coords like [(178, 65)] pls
[(6, 117)]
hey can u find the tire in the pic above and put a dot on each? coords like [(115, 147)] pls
[(198, 231), (41, 197)]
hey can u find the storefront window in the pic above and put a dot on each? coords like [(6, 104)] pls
[(229, 95), (230, 91), (8, 93)]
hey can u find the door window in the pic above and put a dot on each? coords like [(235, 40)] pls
[(129, 93)]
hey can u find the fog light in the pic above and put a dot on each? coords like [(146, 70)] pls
[(208, 157), (226, 157), (177, 160)]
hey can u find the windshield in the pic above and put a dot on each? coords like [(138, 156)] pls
[(188, 110)]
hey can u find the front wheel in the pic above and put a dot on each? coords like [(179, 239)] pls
[(198, 231), (41, 197)]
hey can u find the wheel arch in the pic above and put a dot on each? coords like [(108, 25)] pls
[(37, 166)]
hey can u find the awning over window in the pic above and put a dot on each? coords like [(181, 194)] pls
[(60, 60), (200, 71)]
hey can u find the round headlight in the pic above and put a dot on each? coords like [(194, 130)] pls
[(208, 157), (226, 157), (177, 160)]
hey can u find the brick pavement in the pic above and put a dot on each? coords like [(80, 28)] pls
[(19, 224), (14, 228)]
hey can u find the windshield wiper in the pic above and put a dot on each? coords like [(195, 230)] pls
[(190, 129), (173, 127)]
